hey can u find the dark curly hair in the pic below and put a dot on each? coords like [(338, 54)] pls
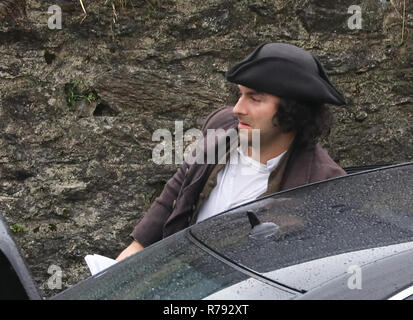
[(311, 121)]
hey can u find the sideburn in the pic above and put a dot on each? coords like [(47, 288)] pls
[(286, 124)]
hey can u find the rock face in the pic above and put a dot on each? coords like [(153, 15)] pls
[(79, 105)]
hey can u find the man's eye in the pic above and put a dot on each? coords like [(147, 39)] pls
[(255, 99)]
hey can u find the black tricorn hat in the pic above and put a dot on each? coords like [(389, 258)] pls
[(286, 71)]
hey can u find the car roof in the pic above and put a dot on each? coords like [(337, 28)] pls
[(362, 211)]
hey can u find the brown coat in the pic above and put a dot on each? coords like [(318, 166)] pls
[(174, 209)]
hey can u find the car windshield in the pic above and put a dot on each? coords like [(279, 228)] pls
[(357, 212), (172, 269)]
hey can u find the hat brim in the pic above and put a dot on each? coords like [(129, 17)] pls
[(284, 78)]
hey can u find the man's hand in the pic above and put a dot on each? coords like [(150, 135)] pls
[(134, 247)]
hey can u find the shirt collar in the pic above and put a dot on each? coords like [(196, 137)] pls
[(268, 167)]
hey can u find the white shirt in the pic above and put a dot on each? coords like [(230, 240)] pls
[(237, 184)]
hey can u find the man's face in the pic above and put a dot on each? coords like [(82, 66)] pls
[(255, 110)]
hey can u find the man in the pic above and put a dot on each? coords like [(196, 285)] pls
[(283, 91)]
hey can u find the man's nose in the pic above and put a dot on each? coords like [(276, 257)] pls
[(239, 107)]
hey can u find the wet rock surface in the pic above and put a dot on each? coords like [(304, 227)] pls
[(75, 164)]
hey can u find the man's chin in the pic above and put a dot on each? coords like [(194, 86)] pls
[(245, 136)]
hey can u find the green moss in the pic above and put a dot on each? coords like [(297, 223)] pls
[(74, 94), (16, 228)]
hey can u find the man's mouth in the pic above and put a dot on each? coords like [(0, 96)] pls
[(243, 125)]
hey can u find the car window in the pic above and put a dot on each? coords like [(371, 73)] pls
[(361, 211), (172, 269)]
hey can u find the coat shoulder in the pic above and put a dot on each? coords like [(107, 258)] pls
[(324, 167)]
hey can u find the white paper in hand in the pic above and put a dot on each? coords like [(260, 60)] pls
[(97, 263)]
